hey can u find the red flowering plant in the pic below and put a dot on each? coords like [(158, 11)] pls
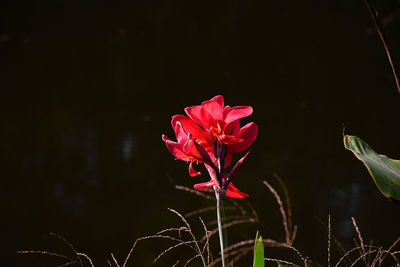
[(210, 135)]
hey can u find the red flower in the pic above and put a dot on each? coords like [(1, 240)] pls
[(223, 123), (210, 135)]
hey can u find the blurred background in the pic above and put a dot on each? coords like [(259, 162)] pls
[(88, 87)]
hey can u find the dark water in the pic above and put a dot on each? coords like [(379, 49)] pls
[(87, 89)]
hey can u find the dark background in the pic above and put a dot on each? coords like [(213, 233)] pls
[(88, 87)]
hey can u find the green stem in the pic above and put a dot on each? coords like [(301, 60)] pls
[(223, 237)]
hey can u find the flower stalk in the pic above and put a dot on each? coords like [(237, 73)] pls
[(223, 237)]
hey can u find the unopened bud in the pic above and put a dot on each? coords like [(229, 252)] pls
[(205, 157), (236, 169)]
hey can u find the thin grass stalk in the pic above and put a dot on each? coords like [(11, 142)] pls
[(67, 264), (329, 240), (361, 242), (287, 200), (379, 28), (231, 254), (227, 225), (283, 213), (223, 238), (388, 251), (70, 245), (43, 253), (88, 258), (282, 261), (191, 233)]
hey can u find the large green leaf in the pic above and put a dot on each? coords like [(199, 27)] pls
[(385, 171), (258, 260)]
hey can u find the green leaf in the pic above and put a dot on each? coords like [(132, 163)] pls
[(310, 263), (385, 171), (258, 260), (282, 265)]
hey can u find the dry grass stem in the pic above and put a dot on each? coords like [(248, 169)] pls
[(115, 260), (199, 211), (204, 210), (377, 256), (347, 254), (329, 240), (284, 218), (268, 242), (190, 260), (67, 264), (70, 245), (287, 199), (87, 258), (178, 229), (191, 233), (363, 256), (281, 261), (43, 253), (359, 234), (229, 254), (389, 250), (331, 236), (294, 232), (253, 213), (297, 252), (227, 225), (198, 193), (243, 253), (207, 244), (77, 255), (171, 248), (227, 218), (379, 28), (149, 237), (361, 240), (238, 206)]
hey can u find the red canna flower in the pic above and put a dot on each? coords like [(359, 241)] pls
[(223, 123), (210, 135)]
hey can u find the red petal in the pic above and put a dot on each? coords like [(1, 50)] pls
[(175, 148), (212, 175), (219, 99), (235, 113), (181, 135), (214, 108), (228, 160), (188, 126), (204, 186), (190, 149), (230, 139), (200, 116), (192, 172), (232, 128), (238, 166), (248, 133), (233, 192)]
